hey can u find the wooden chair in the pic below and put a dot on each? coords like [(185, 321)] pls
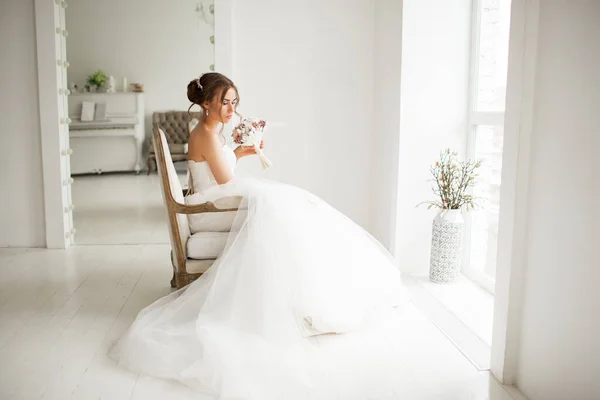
[(205, 246), (175, 125)]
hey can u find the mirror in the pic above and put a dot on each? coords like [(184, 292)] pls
[(125, 68)]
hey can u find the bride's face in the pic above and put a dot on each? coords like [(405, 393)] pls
[(224, 110)]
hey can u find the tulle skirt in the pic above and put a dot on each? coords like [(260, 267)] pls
[(295, 273)]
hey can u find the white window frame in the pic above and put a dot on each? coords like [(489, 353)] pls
[(476, 118)]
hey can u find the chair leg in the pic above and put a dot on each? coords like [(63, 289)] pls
[(174, 281), (151, 163)]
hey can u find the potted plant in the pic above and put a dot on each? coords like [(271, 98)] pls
[(453, 181), (96, 80)]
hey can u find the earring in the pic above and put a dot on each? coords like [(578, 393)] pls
[(207, 112)]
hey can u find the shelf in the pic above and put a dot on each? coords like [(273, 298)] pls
[(113, 122), (92, 133)]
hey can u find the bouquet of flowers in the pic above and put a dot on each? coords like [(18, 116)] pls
[(249, 132)]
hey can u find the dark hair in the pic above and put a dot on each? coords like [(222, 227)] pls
[(209, 85)]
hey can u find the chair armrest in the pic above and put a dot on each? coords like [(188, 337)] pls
[(220, 205), (228, 202)]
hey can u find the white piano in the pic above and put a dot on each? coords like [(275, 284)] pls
[(113, 143)]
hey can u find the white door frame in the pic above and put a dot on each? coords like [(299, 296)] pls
[(514, 194), (57, 233)]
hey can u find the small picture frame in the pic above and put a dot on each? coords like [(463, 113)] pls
[(100, 112), (87, 111)]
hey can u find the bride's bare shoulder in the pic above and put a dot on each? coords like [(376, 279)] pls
[(201, 143)]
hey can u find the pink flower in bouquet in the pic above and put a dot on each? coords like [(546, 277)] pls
[(249, 132), (246, 128)]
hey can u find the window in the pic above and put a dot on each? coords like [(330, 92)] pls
[(489, 62)]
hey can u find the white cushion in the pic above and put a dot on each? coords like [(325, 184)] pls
[(198, 266), (174, 186), (206, 245), (211, 221)]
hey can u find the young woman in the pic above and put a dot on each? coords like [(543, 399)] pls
[(295, 273)]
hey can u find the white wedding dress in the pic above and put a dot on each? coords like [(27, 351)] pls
[(299, 294)]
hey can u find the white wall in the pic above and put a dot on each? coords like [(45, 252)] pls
[(559, 348), (160, 43), (386, 111), (21, 190), (310, 65), (433, 116)]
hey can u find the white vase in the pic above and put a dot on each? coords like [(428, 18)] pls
[(446, 246), (111, 86)]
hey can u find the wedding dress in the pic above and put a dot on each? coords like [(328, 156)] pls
[(295, 274)]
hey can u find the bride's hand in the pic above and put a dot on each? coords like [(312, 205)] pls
[(243, 151)]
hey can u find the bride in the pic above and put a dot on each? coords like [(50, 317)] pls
[(299, 295)]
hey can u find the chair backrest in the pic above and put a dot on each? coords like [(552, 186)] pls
[(179, 229), (174, 124)]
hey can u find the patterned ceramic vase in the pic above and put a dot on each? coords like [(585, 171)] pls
[(446, 246)]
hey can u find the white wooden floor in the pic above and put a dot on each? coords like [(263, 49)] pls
[(60, 311), (119, 209)]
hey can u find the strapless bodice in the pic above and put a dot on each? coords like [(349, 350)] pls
[(200, 176)]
